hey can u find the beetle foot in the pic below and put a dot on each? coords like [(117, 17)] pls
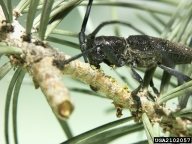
[(139, 106)]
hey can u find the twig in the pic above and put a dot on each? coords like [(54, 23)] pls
[(38, 57)]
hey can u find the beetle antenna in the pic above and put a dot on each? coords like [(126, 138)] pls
[(79, 55), (82, 32), (114, 22)]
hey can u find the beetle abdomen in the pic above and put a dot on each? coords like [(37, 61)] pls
[(173, 51)]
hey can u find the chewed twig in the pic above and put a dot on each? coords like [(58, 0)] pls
[(37, 58), (51, 83)]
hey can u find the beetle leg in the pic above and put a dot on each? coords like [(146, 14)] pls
[(134, 92), (106, 48), (118, 60), (180, 76), (184, 100), (175, 73), (153, 87)]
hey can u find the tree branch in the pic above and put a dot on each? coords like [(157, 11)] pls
[(38, 57)]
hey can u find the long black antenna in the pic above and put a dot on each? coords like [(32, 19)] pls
[(98, 28), (79, 55), (83, 27), (86, 16)]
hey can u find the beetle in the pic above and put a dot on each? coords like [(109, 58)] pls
[(135, 51)]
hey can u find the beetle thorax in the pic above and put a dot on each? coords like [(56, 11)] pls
[(116, 44)]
